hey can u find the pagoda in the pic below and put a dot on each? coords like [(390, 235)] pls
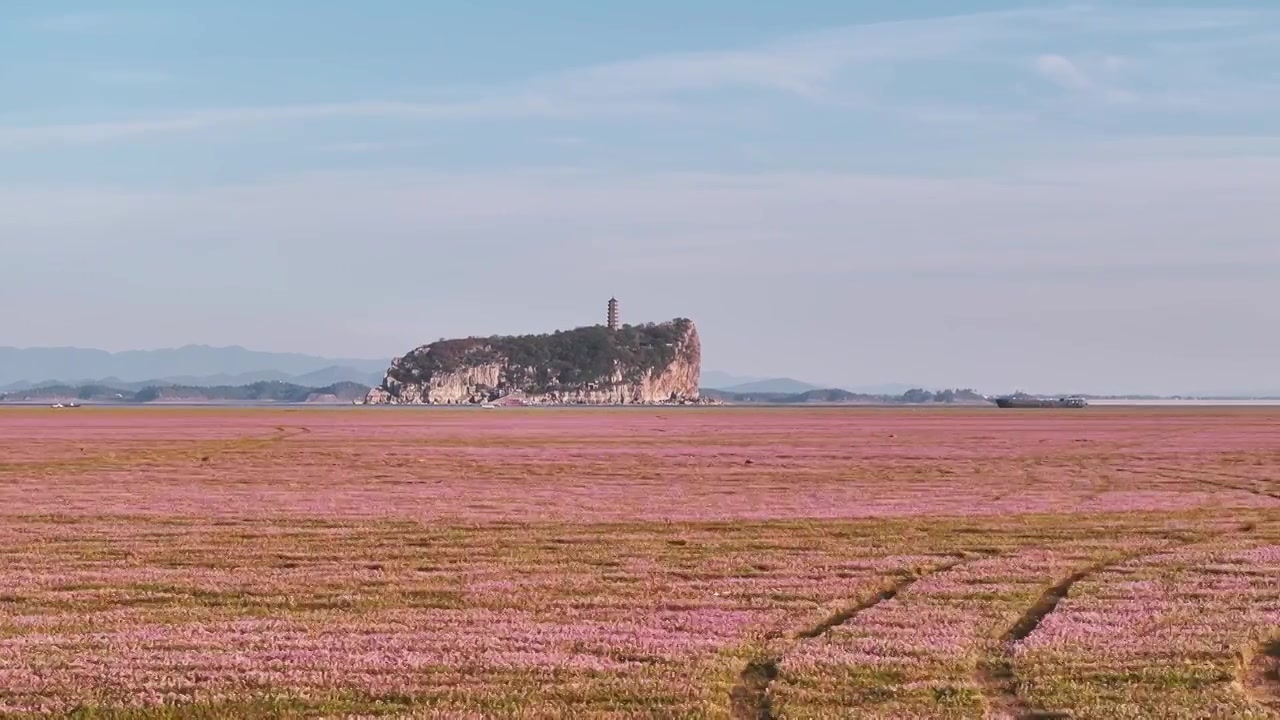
[(613, 313)]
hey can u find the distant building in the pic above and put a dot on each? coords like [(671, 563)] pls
[(613, 313)]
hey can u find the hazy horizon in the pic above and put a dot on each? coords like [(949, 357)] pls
[(987, 194), (286, 363)]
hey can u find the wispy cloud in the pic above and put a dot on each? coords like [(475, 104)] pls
[(1164, 233), (842, 68), (1068, 75), (1214, 205), (529, 105), (794, 70), (1086, 164), (1063, 72)]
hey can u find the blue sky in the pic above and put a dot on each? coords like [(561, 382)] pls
[(1055, 196)]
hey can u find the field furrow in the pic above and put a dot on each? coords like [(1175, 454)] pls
[(750, 698), (1164, 630), (638, 563)]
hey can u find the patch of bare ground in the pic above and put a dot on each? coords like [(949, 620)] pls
[(750, 699), (1262, 675)]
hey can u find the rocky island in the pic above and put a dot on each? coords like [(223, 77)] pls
[(654, 363)]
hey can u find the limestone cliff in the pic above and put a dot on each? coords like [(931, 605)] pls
[(635, 364)]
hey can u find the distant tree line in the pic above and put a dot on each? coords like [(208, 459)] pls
[(915, 396), (919, 395)]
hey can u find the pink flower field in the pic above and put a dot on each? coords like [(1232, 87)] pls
[(646, 562)]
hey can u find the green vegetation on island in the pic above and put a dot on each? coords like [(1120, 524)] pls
[(562, 359)]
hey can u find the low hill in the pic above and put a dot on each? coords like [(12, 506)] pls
[(261, 392), (835, 396), (319, 378), (718, 380), (190, 364), (772, 385)]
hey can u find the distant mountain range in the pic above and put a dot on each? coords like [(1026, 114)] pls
[(771, 385), (191, 365), (258, 392), (716, 380), (23, 369), (833, 396)]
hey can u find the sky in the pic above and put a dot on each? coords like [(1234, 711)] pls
[(1045, 196)]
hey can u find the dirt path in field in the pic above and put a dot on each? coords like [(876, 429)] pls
[(1181, 475), (1274, 495), (203, 451), (750, 700), (995, 675), (1262, 676), (282, 434), (1220, 481), (995, 672)]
